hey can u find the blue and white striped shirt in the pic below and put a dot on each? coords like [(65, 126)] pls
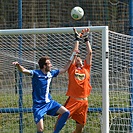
[(40, 85)]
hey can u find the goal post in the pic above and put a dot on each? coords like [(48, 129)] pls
[(50, 30), (105, 80), (57, 43)]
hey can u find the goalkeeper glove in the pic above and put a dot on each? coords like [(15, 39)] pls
[(77, 35), (85, 34)]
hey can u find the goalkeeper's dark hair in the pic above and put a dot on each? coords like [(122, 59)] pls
[(42, 61)]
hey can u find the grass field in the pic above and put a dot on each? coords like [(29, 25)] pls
[(10, 121)]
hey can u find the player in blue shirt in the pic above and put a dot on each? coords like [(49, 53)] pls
[(42, 100)]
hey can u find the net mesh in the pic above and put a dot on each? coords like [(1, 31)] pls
[(51, 13), (28, 48)]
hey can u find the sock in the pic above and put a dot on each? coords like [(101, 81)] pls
[(39, 132), (61, 122)]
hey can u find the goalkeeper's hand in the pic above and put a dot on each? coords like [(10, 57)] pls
[(85, 34), (77, 35), (15, 63)]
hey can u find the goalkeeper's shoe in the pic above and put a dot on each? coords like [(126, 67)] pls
[(77, 35), (85, 34)]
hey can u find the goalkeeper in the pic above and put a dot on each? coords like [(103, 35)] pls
[(79, 87), (42, 100)]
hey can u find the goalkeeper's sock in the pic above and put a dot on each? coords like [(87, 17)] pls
[(61, 122)]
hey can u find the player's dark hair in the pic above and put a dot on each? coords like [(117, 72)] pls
[(42, 61)]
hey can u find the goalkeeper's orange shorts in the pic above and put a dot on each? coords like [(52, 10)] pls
[(78, 109)]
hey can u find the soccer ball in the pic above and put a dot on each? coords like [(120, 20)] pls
[(77, 13)]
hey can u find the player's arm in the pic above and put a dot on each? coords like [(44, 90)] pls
[(65, 68), (74, 53), (75, 49), (88, 46), (76, 45), (21, 68), (89, 53)]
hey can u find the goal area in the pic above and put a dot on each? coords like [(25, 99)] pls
[(111, 100)]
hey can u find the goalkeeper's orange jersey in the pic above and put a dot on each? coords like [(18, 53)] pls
[(79, 81)]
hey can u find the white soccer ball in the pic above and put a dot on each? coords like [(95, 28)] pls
[(77, 13)]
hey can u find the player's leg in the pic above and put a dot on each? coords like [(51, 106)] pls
[(40, 126), (60, 114), (80, 116), (62, 120), (79, 128)]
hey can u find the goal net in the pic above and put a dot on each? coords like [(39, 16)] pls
[(110, 102)]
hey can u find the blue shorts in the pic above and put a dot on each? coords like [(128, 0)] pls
[(48, 108)]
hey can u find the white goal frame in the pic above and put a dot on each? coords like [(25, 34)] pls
[(105, 60)]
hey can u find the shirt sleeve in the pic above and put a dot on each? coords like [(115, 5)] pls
[(31, 72), (55, 72)]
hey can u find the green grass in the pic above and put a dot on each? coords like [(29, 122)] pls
[(9, 122)]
